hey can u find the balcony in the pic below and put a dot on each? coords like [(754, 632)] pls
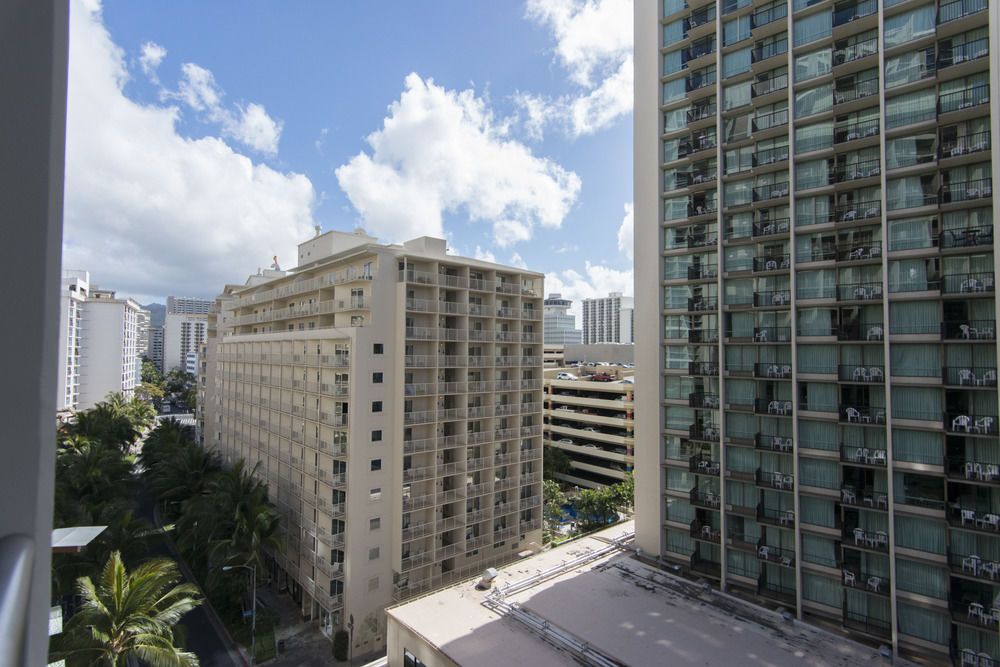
[(699, 79), (704, 465), (700, 17), (862, 210), (772, 334), (853, 131), (860, 90), (700, 304), (960, 53), (858, 253), (861, 414), (776, 515), (772, 298), (968, 283), (703, 272), (864, 581), (700, 399), (704, 432), (863, 497), (699, 49), (704, 531), (969, 237), (969, 330), (858, 10), (768, 86), (977, 142), (858, 170), (958, 9), (863, 455), (966, 191), (771, 156), (873, 540), (703, 336), (849, 54), (703, 368), (706, 499), (702, 208), (964, 99), (772, 263), (859, 292), (970, 424), (960, 467), (971, 565), (765, 406), (973, 518), (869, 625), (773, 443), (774, 479), (771, 227), (863, 374), (770, 191), (770, 120), (685, 180), (762, 52), (977, 376), (773, 371), (701, 112)]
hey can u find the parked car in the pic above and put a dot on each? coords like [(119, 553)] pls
[(565, 408), (601, 377), (591, 429), (566, 376), (628, 381), (566, 441)]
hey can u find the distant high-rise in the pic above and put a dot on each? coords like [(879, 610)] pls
[(608, 319), (817, 349), (560, 325), (75, 286), (109, 362), (155, 353), (186, 305), (142, 333), (182, 333)]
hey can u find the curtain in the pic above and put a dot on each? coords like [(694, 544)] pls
[(908, 151), (818, 512), (741, 325), (678, 510), (905, 192), (678, 356), (739, 160), (823, 590), (908, 275), (674, 450), (736, 30), (741, 392), (740, 357), (921, 534), (820, 396), (739, 494), (741, 459), (813, 27), (673, 6), (821, 474), (673, 62), (815, 322), (911, 108), (679, 543), (739, 225), (914, 317), (680, 480), (675, 209), (819, 550), (739, 291), (910, 233), (738, 193), (922, 579), (742, 564), (674, 90), (916, 360), (820, 284), (909, 26), (736, 95), (916, 403), (811, 65), (813, 101), (905, 68), (814, 137), (924, 623), (811, 174), (678, 417), (818, 435), (674, 120), (918, 446), (739, 425), (673, 32), (817, 358)]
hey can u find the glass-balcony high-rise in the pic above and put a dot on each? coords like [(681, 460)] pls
[(816, 335)]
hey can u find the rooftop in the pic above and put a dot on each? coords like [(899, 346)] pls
[(621, 609)]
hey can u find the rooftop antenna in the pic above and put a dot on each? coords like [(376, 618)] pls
[(319, 229)]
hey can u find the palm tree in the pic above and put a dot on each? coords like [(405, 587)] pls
[(184, 474), (107, 423), (89, 475), (129, 617), (169, 437)]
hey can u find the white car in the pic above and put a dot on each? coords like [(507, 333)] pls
[(566, 441), (565, 408), (628, 381), (566, 376)]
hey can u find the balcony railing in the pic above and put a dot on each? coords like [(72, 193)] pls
[(967, 237), (864, 581), (858, 11), (975, 517), (768, 86), (704, 432), (700, 17), (770, 156), (859, 292), (775, 515), (701, 112), (863, 497), (952, 11), (772, 263), (859, 170), (970, 376), (771, 227), (769, 14), (703, 272), (703, 368), (704, 465), (704, 531), (776, 555), (861, 414), (861, 210), (969, 283), (868, 624), (970, 424), (960, 53), (969, 329), (770, 191), (697, 80), (769, 50), (863, 455), (709, 499), (703, 336), (966, 190), (774, 479), (772, 334), (772, 298), (700, 399), (964, 99), (702, 208), (769, 120), (856, 253), (772, 371), (866, 373), (859, 130), (876, 540), (860, 90), (868, 47), (773, 443), (764, 406), (963, 468), (699, 304)]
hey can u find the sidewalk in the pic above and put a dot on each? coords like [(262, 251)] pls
[(305, 645)]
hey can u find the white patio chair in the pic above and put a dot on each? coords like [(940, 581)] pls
[(762, 553), (966, 376), (969, 563), (859, 536), (853, 415), (849, 579), (984, 425), (875, 374), (875, 333), (963, 422), (860, 374), (847, 496), (968, 515)]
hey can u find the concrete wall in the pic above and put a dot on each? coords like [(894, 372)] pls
[(401, 637), (610, 352)]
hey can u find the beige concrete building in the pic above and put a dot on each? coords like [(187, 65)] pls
[(592, 422), (392, 395)]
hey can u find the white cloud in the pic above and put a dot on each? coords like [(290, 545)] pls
[(596, 281), (440, 151), (518, 261), (250, 124), (594, 45), (321, 139), (152, 54), (484, 255), (625, 231), (567, 247), (149, 211)]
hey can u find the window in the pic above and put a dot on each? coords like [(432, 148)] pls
[(375, 494), (375, 524), (378, 348), (377, 435), (376, 406), (410, 660), (373, 553), (376, 465), (373, 583), (376, 378)]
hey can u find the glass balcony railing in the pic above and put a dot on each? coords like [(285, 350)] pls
[(769, 14), (767, 86), (770, 156), (861, 89)]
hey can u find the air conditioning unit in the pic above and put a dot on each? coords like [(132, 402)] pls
[(487, 579)]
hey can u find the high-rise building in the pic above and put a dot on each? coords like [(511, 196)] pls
[(560, 325), (109, 362), (392, 395), (816, 347), (155, 353), (608, 319), (186, 305), (74, 289), (182, 333), (142, 334)]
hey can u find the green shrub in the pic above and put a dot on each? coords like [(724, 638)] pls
[(340, 645)]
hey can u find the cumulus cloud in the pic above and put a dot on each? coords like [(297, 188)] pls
[(441, 151), (518, 261), (249, 124), (595, 281), (625, 231), (594, 45), (484, 255), (149, 211), (151, 55)]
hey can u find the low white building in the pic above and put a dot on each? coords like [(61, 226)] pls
[(182, 333), (109, 360)]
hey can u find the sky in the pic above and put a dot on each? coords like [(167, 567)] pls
[(205, 138)]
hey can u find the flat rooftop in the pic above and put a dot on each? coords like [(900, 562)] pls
[(625, 609)]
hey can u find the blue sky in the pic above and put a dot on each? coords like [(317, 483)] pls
[(204, 137)]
